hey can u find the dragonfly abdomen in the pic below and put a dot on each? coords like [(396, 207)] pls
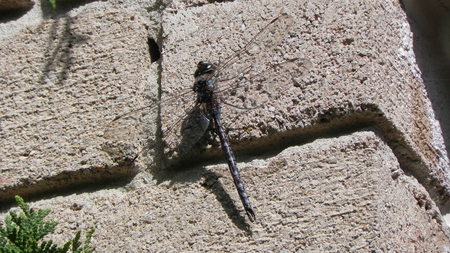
[(225, 144)]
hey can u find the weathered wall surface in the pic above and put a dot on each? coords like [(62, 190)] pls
[(56, 105), (381, 183)]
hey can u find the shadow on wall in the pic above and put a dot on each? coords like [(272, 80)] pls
[(11, 10), (58, 52), (430, 24), (62, 7)]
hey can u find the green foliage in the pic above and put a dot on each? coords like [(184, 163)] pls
[(53, 3), (24, 232)]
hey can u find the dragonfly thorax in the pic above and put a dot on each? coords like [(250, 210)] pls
[(204, 90), (205, 82)]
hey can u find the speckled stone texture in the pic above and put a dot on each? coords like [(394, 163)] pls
[(342, 151)]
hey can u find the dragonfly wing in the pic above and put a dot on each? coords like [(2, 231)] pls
[(193, 128), (138, 132), (263, 67), (127, 134)]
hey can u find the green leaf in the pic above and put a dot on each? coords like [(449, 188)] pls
[(53, 3), (76, 243), (24, 232), (87, 248), (65, 248)]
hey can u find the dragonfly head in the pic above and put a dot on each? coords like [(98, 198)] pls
[(204, 67)]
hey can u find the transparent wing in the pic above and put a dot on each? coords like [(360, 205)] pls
[(259, 74), (252, 77), (183, 133), (133, 133), (260, 47)]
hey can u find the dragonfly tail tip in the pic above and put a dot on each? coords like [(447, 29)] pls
[(251, 215)]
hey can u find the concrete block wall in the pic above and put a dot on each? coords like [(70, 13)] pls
[(347, 153)]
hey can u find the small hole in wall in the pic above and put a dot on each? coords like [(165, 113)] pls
[(153, 49)]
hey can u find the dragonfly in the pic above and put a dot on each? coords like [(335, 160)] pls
[(227, 82)]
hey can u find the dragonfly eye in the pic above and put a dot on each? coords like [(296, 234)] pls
[(203, 67)]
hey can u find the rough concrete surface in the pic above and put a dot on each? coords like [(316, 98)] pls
[(370, 174), (61, 102), (335, 194)]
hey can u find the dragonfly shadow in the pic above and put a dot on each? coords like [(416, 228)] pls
[(212, 183), (192, 173), (193, 128)]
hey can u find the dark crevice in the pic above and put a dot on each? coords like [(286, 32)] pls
[(10, 15), (429, 27), (69, 182), (153, 49)]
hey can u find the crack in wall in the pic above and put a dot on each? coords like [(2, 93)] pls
[(331, 122)]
